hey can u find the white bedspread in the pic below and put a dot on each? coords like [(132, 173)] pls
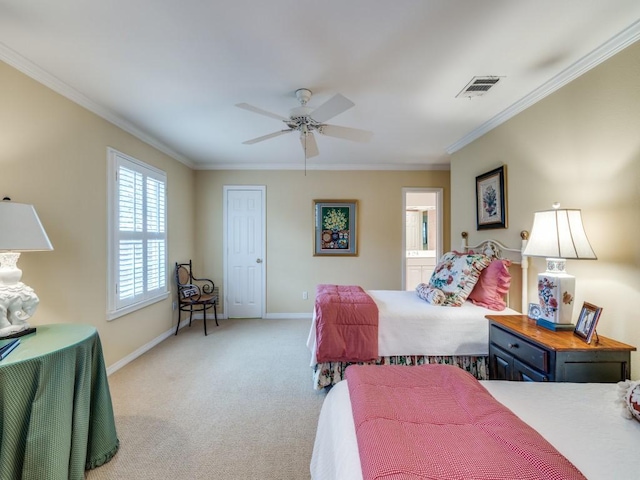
[(581, 420), (407, 325)]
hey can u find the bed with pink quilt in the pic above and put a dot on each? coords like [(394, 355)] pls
[(443, 323), (439, 422)]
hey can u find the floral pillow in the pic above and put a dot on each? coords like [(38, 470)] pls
[(431, 295), (456, 274), (629, 395)]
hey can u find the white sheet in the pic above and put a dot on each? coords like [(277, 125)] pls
[(581, 420), (407, 325)]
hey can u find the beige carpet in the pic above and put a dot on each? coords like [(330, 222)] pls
[(237, 404)]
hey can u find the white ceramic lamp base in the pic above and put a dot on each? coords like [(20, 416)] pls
[(17, 300)]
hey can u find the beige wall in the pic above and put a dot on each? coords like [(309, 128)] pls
[(291, 266), (53, 155), (581, 147)]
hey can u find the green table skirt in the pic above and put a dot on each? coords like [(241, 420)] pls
[(56, 416)]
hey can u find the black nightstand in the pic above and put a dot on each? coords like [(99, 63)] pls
[(522, 351)]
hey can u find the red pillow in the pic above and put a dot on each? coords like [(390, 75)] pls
[(493, 285)]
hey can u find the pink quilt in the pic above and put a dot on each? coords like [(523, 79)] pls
[(438, 422), (346, 324)]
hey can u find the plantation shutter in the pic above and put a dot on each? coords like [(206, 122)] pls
[(156, 259), (140, 233)]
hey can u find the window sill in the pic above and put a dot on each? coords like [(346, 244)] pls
[(113, 314)]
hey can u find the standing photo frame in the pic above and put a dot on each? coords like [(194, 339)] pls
[(335, 228), (491, 203), (587, 321), (534, 311)]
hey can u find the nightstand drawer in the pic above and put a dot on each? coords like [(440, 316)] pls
[(520, 348)]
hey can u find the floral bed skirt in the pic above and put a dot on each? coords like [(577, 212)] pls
[(330, 373)]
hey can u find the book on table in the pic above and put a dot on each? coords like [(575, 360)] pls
[(7, 346)]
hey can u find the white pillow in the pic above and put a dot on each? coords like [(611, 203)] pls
[(431, 295)]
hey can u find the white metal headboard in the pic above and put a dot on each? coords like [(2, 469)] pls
[(495, 249)]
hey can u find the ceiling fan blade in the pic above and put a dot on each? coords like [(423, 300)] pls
[(332, 107), (266, 137), (309, 145), (253, 109), (347, 133)]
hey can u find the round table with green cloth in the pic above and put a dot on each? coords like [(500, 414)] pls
[(56, 416)]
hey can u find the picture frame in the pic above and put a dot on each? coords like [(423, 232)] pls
[(587, 321), (491, 202), (534, 311), (335, 228)]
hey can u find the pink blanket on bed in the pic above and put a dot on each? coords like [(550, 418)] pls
[(346, 324), (438, 422)]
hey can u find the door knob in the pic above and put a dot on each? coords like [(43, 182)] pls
[(258, 260)]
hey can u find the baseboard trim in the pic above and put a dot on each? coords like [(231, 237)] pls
[(143, 349), (267, 316), (287, 316)]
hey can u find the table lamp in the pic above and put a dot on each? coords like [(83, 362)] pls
[(20, 231), (557, 235)]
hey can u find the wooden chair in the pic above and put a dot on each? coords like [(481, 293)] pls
[(195, 294)]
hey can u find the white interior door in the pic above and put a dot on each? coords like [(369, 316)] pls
[(244, 246)]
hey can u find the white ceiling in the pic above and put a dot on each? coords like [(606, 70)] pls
[(172, 71)]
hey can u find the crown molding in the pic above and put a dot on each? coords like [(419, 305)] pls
[(616, 44), (30, 69), (323, 166)]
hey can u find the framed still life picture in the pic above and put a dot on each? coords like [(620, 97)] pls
[(491, 203), (336, 227), (587, 321)]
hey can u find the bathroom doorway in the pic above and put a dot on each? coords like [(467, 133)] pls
[(422, 234)]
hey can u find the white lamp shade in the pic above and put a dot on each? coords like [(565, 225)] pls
[(20, 228), (559, 234)]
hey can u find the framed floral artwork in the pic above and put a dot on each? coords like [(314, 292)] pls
[(336, 227), (491, 203)]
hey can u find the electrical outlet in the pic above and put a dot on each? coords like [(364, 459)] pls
[(174, 305), (305, 295)]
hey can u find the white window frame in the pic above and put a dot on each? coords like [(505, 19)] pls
[(117, 307)]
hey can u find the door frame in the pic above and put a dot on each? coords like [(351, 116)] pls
[(263, 241), (440, 212)]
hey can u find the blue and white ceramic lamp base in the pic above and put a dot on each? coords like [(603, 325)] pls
[(556, 294)]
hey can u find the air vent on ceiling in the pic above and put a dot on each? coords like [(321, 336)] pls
[(478, 86)]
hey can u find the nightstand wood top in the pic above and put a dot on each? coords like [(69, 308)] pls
[(556, 340)]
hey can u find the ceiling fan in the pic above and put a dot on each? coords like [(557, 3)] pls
[(307, 120)]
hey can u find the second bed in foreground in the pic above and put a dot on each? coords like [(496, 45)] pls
[(583, 422)]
